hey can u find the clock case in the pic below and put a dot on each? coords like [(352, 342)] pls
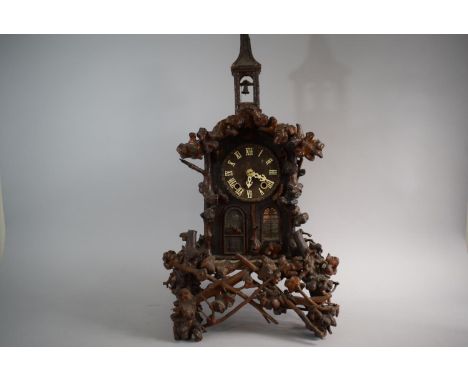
[(252, 212), (203, 273)]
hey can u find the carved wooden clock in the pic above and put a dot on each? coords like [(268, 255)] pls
[(252, 251)]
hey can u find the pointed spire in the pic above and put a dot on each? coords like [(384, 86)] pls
[(246, 60)]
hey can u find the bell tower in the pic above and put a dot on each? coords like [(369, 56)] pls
[(246, 71)]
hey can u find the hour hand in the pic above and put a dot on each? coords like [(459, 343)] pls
[(249, 182), (250, 173)]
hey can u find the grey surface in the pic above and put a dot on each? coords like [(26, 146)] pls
[(2, 224), (94, 192)]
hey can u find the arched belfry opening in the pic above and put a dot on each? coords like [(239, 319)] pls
[(246, 94)]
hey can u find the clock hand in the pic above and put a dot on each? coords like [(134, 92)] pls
[(261, 177), (251, 173), (265, 182), (249, 182)]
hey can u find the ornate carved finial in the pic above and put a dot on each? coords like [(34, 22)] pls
[(246, 70)]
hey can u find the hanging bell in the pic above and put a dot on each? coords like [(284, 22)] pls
[(245, 86)]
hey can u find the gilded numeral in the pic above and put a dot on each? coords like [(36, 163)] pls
[(232, 182), (228, 173), (239, 191), (261, 191), (269, 161), (238, 154), (249, 194), (272, 172), (269, 183), (249, 151), (231, 163)]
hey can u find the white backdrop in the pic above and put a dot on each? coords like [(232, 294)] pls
[(94, 192)]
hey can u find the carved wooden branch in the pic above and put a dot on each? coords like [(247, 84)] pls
[(193, 166), (234, 310), (304, 318), (312, 301), (243, 303), (267, 317), (247, 262)]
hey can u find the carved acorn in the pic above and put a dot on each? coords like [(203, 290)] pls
[(169, 258), (301, 219), (275, 303), (332, 263), (218, 305), (293, 283)]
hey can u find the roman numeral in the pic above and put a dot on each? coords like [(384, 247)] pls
[(237, 154), (249, 151), (272, 172), (232, 182), (249, 194), (228, 173), (269, 183), (269, 161), (231, 163), (239, 191)]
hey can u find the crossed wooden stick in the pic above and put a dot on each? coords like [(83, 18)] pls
[(227, 284)]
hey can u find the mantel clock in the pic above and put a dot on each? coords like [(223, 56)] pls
[(252, 251)]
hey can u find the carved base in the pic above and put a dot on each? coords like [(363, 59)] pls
[(255, 281)]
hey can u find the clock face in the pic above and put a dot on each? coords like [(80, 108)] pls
[(250, 172)]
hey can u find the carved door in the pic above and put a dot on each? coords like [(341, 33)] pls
[(234, 231)]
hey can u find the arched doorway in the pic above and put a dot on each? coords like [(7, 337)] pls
[(234, 231), (270, 225)]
